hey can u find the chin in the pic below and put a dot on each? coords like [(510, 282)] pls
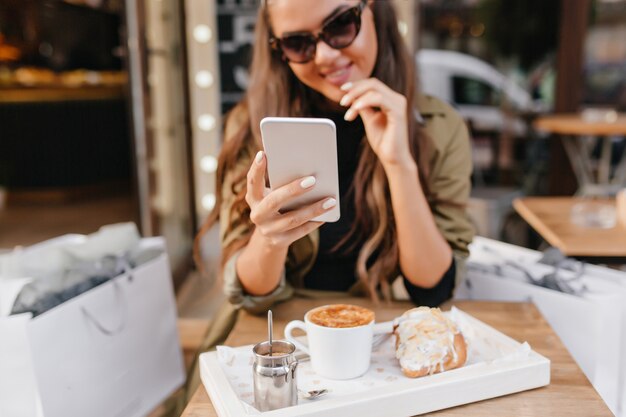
[(333, 94)]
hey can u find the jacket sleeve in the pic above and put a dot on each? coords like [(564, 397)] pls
[(232, 228), (451, 185), (253, 304)]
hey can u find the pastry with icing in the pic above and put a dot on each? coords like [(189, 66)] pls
[(427, 342)]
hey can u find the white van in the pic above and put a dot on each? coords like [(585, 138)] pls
[(485, 97)]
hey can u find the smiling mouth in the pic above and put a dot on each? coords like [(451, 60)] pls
[(339, 76)]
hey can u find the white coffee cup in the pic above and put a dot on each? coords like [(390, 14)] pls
[(336, 352)]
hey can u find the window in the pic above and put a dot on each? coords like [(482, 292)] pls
[(474, 92)]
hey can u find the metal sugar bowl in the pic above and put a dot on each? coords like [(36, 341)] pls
[(274, 374)]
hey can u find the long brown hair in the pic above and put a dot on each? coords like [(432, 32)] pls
[(275, 91)]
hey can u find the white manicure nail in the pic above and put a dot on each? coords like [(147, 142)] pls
[(308, 182), (344, 100), (331, 202), (258, 157), (348, 115), (346, 86)]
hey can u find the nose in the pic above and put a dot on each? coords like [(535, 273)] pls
[(325, 54)]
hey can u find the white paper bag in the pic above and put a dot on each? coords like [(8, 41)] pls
[(112, 351), (18, 390), (590, 325)]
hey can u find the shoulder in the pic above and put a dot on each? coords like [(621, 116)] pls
[(442, 123), (436, 111)]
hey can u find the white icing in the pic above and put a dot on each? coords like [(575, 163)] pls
[(425, 339)]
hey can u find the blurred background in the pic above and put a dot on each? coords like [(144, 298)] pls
[(111, 110)]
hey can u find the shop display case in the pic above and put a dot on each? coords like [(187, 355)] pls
[(63, 107)]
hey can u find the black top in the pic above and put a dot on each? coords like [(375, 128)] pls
[(336, 270)]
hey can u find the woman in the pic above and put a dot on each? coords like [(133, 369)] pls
[(404, 163)]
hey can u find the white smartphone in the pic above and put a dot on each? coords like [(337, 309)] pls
[(297, 147)]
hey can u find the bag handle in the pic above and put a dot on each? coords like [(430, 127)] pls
[(122, 306)]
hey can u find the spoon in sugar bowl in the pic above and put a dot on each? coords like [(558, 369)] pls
[(270, 329)]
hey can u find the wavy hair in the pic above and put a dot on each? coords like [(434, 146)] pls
[(275, 91)]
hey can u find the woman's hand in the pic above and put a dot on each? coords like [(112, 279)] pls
[(384, 113), (281, 229)]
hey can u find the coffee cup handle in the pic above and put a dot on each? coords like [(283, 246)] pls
[(384, 327), (296, 324)]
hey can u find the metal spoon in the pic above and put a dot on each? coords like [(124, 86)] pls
[(270, 329), (313, 394)]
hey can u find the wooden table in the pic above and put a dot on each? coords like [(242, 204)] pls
[(191, 333), (576, 130), (550, 217), (569, 393)]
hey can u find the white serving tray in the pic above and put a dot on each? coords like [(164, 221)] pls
[(497, 365)]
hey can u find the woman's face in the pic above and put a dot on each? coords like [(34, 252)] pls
[(330, 68)]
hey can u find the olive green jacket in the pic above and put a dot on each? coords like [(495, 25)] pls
[(449, 180)]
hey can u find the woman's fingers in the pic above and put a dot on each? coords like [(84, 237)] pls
[(275, 200), (370, 96), (356, 89), (371, 99), (256, 180), (265, 207), (296, 218), (294, 234), (367, 103)]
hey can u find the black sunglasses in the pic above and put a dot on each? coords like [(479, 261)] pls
[(338, 33)]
